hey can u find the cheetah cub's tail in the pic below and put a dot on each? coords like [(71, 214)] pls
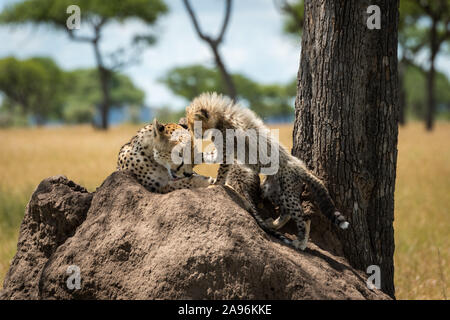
[(262, 224), (321, 196), (268, 230)]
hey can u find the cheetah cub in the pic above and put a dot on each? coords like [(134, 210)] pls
[(148, 156), (217, 112)]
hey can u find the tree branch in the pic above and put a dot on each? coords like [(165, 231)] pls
[(214, 44), (408, 61), (225, 21), (425, 6), (195, 22), (97, 28), (446, 34), (286, 8), (79, 38)]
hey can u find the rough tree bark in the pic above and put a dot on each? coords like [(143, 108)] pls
[(347, 124)]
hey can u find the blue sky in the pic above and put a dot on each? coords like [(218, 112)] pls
[(254, 45)]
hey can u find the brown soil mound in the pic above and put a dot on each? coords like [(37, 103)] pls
[(129, 243)]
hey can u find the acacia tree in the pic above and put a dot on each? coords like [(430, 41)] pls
[(347, 124), (266, 100), (83, 93), (32, 87), (293, 12), (95, 16), (425, 27), (214, 44)]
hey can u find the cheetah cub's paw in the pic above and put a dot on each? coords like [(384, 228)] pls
[(269, 223), (300, 244), (212, 180), (344, 225)]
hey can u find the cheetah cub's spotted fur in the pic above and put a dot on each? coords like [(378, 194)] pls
[(218, 112), (148, 156)]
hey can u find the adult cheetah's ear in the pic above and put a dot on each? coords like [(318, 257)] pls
[(157, 128), (202, 114)]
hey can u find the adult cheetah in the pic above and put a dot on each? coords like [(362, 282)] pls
[(158, 139)]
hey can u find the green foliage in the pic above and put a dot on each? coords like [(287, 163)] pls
[(10, 116), (167, 115), (416, 21), (267, 100), (78, 112), (83, 94), (294, 12), (33, 85), (416, 100), (53, 12), (415, 27), (94, 14), (38, 87), (189, 82), (12, 206)]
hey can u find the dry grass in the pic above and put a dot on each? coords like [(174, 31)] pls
[(422, 213), (422, 217)]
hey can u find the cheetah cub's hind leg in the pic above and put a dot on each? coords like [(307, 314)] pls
[(270, 190), (289, 202), (301, 244), (291, 207)]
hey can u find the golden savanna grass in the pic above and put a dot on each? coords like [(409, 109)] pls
[(422, 200)]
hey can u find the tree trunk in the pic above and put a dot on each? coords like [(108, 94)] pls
[(430, 98), (347, 124), (229, 83), (104, 78), (429, 121), (104, 108)]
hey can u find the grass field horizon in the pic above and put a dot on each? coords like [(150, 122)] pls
[(88, 156)]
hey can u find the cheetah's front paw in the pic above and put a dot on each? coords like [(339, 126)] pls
[(212, 180), (300, 244)]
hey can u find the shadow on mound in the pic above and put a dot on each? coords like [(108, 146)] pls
[(129, 243)]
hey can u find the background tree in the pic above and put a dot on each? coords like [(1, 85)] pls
[(37, 87), (415, 80), (294, 12), (268, 100), (95, 15), (347, 125), (425, 27), (83, 93), (214, 44), (32, 87)]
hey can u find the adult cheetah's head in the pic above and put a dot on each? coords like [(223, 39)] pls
[(172, 149)]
